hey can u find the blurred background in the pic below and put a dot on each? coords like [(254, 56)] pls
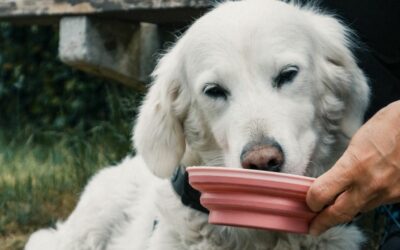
[(57, 127)]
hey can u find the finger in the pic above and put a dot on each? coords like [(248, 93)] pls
[(328, 186), (347, 205)]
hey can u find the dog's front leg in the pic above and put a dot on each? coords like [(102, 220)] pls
[(100, 211)]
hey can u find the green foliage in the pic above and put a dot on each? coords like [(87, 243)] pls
[(57, 127), (40, 184), (37, 89)]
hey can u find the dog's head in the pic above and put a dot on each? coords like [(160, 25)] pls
[(256, 84)]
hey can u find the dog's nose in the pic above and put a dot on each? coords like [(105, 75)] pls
[(267, 155)]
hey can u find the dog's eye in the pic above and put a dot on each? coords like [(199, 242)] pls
[(286, 75), (215, 91)]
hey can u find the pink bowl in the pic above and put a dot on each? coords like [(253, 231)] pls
[(252, 198)]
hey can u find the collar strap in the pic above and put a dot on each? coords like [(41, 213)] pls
[(189, 196)]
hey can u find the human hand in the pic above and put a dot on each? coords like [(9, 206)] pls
[(366, 176)]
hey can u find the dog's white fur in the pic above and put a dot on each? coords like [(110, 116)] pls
[(242, 46)]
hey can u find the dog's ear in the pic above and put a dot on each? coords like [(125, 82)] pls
[(158, 134), (345, 94)]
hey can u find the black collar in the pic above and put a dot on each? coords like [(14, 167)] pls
[(189, 196)]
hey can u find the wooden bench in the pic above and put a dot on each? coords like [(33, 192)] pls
[(118, 39), (153, 11)]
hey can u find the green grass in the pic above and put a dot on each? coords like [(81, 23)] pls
[(42, 174), (57, 127)]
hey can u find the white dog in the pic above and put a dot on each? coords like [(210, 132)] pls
[(256, 84)]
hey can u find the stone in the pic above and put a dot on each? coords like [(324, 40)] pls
[(118, 50)]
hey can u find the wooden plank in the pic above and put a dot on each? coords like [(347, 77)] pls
[(139, 10)]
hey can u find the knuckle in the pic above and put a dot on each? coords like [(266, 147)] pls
[(380, 183), (318, 193), (353, 157), (377, 186), (340, 215)]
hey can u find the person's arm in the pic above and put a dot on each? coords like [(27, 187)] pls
[(366, 176)]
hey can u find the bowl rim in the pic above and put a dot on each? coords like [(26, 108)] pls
[(248, 174)]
